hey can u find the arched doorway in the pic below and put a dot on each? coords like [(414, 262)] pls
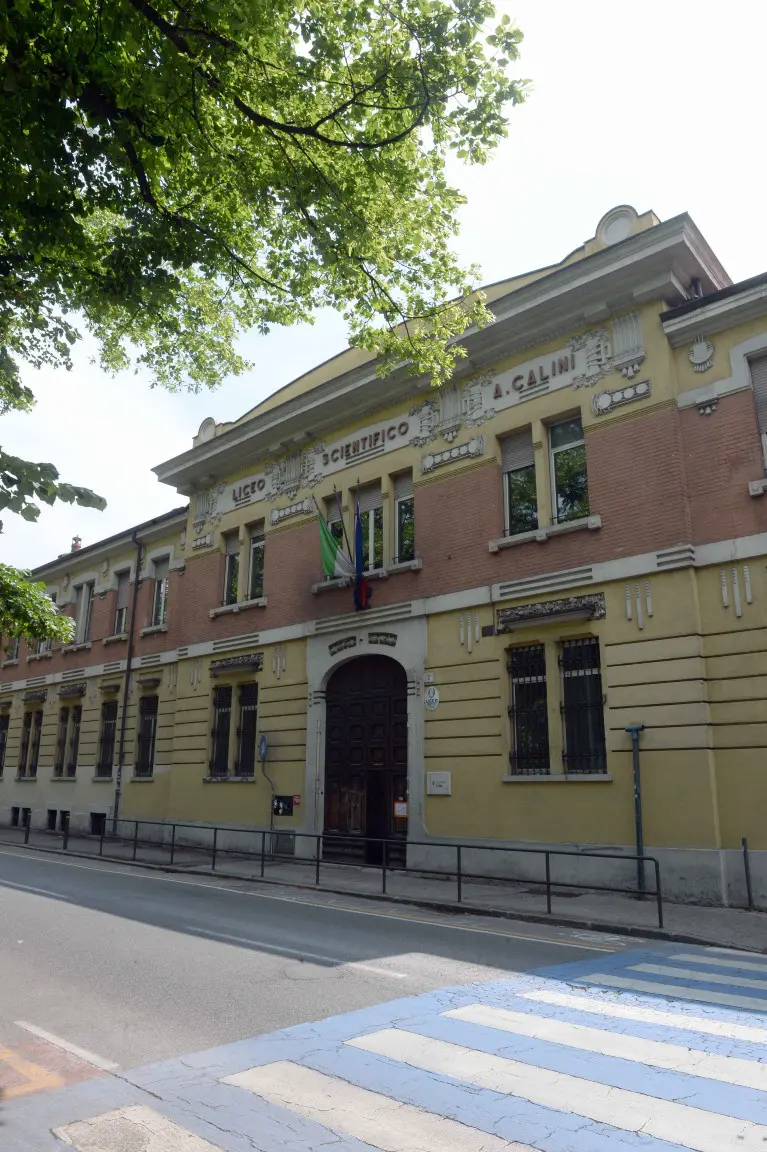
[(366, 760)]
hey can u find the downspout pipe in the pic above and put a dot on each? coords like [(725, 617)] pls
[(633, 731), (126, 688)]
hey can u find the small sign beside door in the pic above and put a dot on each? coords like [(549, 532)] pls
[(400, 809), (282, 806), (431, 698)]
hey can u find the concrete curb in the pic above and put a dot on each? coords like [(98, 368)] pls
[(446, 907)]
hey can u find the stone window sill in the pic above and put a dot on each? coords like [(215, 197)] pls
[(757, 487), (404, 566), (114, 639), (228, 779), (25, 779), (63, 779), (152, 629), (9, 664), (85, 647), (102, 779), (374, 574), (561, 778), (33, 656), (240, 606), (542, 535), (142, 779)]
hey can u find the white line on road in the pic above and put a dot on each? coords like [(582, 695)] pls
[(693, 1062), (629, 1111), (707, 977), (74, 1049), (718, 962), (280, 950), (130, 874), (374, 1119), (604, 1007), (676, 991), (29, 888)]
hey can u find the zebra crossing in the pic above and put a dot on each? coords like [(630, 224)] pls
[(647, 1050)]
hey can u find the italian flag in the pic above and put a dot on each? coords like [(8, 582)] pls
[(335, 562)]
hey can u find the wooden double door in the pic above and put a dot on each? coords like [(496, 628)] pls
[(366, 760)]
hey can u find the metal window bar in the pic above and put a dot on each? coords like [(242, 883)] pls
[(107, 738), (34, 755), (529, 754), (222, 722), (246, 733), (74, 740), (61, 742), (26, 729), (5, 721), (147, 731), (582, 707)]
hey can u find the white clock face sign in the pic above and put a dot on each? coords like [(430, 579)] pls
[(431, 698)]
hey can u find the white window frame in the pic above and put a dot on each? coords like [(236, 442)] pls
[(257, 543), (84, 611), (121, 624), (160, 594), (397, 541), (230, 556), (555, 452)]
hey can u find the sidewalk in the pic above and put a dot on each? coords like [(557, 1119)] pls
[(732, 927)]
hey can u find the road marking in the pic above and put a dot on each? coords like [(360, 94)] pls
[(734, 951), (74, 1049), (650, 1016), (29, 888), (689, 958), (364, 1115), (132, 1127), (707, 977), (728, 1069), (630, 1111), (676, 992), (279, 949), (37, 1079), (432, 922)]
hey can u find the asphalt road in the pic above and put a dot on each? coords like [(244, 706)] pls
[(138, 966)]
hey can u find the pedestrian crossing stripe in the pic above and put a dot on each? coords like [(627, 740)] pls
[(135, 1127)]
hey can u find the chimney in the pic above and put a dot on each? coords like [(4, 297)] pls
[(76, 543)]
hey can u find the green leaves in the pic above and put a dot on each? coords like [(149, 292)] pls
[(26, 611)]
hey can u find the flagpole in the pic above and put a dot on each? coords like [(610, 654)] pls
[(337, 495)]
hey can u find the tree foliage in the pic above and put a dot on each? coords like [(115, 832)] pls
[(26, 611)]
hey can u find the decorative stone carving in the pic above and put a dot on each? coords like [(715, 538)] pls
[(40, 695), (450, 412), (475, 411), (205, 541), (628, 350), (105, 566), (598, 356), (76, 689), (254, 661), (593, 604), (701, 354), (474, 447), (206, 507), (387, 639), (604, 402), (299, 509), (341, 645), (707, 408), (182, 540), (427, 414)]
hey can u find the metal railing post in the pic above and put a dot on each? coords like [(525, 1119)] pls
[(459, 876), (65, 845), (747, 866), (548, 883), (658, 895), (172, 842), (263, 854), (215, 845), (383, 870), (135, 839), (317, 863)]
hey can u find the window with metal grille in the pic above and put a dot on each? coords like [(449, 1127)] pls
[(519, 494), (107, 738), (160, 600), (256, 566), (26, 729), (5, 722), (569, 479), (529, 754), (75, 717), (582, 707), (121, 605), (222, 724), (61, 742), (147, 732), (232, 569), (246, 732), (34, 751), (404, 518)]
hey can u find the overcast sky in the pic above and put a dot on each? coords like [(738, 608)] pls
[(656, 105)]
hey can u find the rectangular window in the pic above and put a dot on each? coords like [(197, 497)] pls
[(583, 707), (61, 742), (222, 725), (26, 730), (84, 613), (147, 732), (246, 732), (12, 651), (404, 518), (519, 491), (335, 521), (529, 754), (46, 645), (256, 565), (107, 738), (231, 569), (75, 717), (371, 516), (5, 721), (34, 751), (160, 597), (121, 605), (569, 482)]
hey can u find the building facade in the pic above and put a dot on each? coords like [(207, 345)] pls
[(569, 540)]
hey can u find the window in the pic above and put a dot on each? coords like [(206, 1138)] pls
[(61, 742), (569, 482), (84, 611), (404, 518), (519, 492), (147, 732), (52, 817), (12, 651), (75, 717), (46, 645), (222, 724), (5, 721), (15, 813), (98, 823), (107, 738), (758, 369), (583, 707), (160, 598), (26, 731), (335, 520), (121, 603), (231, 569), (256, 565), (34, 751), (529, 754), (246, 732), (371, 516)]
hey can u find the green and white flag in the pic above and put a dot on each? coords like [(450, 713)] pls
[(335, 562)]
